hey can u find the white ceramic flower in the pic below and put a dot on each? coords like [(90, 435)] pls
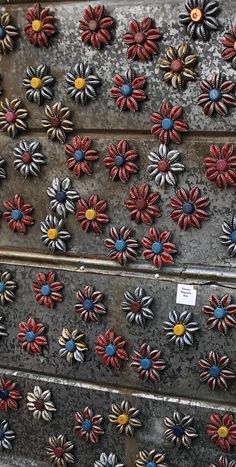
[(62, 196), (40, 404), (109, 460), (164, 166)]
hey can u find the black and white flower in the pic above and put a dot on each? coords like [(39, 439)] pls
[(150, 459), (2, 170), (82, 83), (62, 196), (180, 328), (72, 345), (164, 166), (137, 306), (28, 158), (108, 460), (40, 404), (3, 331), (179, 430), (53, 236), (229, 237), (6, 435), (38, 84)]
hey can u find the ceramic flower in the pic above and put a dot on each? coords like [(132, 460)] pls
[(224, 462), (53, 236), (47, 290), (216, 95), (12, 117), (63, 197), (215, 371), (189, 208), (82, 83), (3, 330), (72, 345), (200, 18), (28, 158), (179, 66), (38, 84), (18, 214), (95, 26), (146, 362), (108, 460), (6, 436), (2, 170), (164, 166), (229, 41), (222, 431), (142, 204), (8, 33), (88, 425), (137, 306), (151, 458), (40, 404), (229, 237), (60, 451), (157, 248), (39, 25), (122, 246), (7, 288), (142, 39), (31, 336), (121, 161), (221, 165), (91, 214), (125, 418), (9, 396), (179, 430), (128, 91), (220, 313), (80, 156), (90, 306), (180, 328), (168, 124), (57, 122), (110, 348)]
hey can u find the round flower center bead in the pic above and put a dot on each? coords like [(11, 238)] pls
[(59, 452), (233, 236), (119, 160), (234, 46), (46, 290), (10, 117), (139, 37), (2, 287), (90, 214), (141, 204), (37, 25), (179, 329), (120, 245), (110, 350), (36, 83), (177, 65), (151, 464), (215, 94), (4, 394), (219, 312), (167, 123), (188, 208), (61, 196), (55, 122), (178, 430), (52, 234), (79, 155), (88, 304), (80, 84), (215, 371), (223, 431), (2, 32), (136, 307), (39, 404), (16, 214), (222, 165), (196, 15), (123, 419), (93, 25), (70, 345), (126, 90), (30, 336), (146, 363), (26, 157), (87, 425), (157, 248), (163, 166), (2, 435)]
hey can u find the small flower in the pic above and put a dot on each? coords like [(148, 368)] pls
[(39, 25), (7, 288), (18, 214), (221, 165), (164, 166), (142, 39), (229, 237), (62, 196), (108, 460), (224, 462), (3, 331), (28, 158), (229, 42), (137, 306), (220, 313), (189, 208), (122, 246), (89, 425), (38, 84), (40, 404), (57, 122), (8, 394), (167, 123), (2, 170), (157, 247), (199, 18), (121, 161), (82, 83), (31, 336), (95, 26), (179, 66), (110, 348), (215, 370), (151, 458), (147, 363), (80, 156), (125, 418), (6, 435), (12, 117), (8, 33), (47, 290), (222, 431), (216, 95), (180, 432), (72, 345), (180, 328), (90, 306), (52, 234), (128, 91), (91, 214), (59, 451), (142, 204)]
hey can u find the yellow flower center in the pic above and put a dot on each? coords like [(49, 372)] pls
[(123, 419), (37, 25), (36, 83), (90, 214), (179, 329), (235, 46), (52, 234), (196, 15), (223, 431), (80, 83)]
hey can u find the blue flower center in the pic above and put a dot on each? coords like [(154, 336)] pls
[(88, 304), (2, 434), (126, 90), (151, 464), (2, 287), (110, 350), (16, 215), (30, 336), (119, 160), (61, 196), (79, 155), (219, 312), (46, 290), (87, 425), (215, 371), (120, 245), (146, 363), (188, 208), (157, 248), (233, 236), (178, 430), (4, 394), (2, 32), (215, 94), (167, 123), (70, 345)]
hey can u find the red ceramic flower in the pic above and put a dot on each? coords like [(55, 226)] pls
[(216, 370), (216, 95), (224, 462), (120, 161), (229, 41), (142, 204), (157, 247), (40, 25), (222, 431), (18, 214), (221, 165), (128, 91), (141, 39), (31, 336), (167, 123), (89, 425), (95, 26), (189, 208), (8, 394), (91, 214), (80, 156), (47, 290), (90, 306), (111, 349), (146, 362), (220, 313), (121, 245)]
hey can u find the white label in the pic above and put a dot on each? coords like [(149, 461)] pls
[(186, 294)]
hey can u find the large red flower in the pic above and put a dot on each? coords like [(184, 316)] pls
[(141, 39), (40, 25), (128, 91), (229, 41), (95, 26), (157, 247), (17, 214), (189, 208), (142, 204), (47, 290), (122, 246), (91, 214), (8, 394), (167, 123), (111, 349), (120, 161), (31, 336), (220, 313), (80, 156), (222, 431), (221, 165)]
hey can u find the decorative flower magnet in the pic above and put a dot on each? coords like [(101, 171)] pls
[(47, 289), (12, 117), (128, 91), (221, 165), (57, 122), (189, 208), (110, 348), (40, 404), (8, 33), (95, 26), (168, 125), (229, 41), (82, 83), (220, 313), (224, 462), (80, 156), (179, 66), (90, 306), (137, 306), (6, 435), (28, 158), (157, 247), (7, 288), (125, 418), (2, 170), (3, 330), (39, 25), (216, 95), (53, 236), (38, 84), (215, 370), (142, 39), (121, 161), (8, 395), (108, 460), (89, 425), (180, 327), (63, 198), (179, 430), (31, 336), (18, 214), (142, 204), (59, 451), (151, 459), (91, 214), (229, 237), (122, 246), (164, 166), (72, 345), (222, 431), (199, 18), (147, 363)]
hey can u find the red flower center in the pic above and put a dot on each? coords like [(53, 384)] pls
[(39, 404), (177, 65), (136, 307), (59, 452), (163, 166), (222, 165), (93, 25), (141, 204), (55, 122), (26, 158), (10, 117), (139, 37)]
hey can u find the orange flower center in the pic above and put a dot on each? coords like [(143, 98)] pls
[(223, 431), (196, 15), (80, 83), (90, 214), (123, 419), (37, 25), (234, 46), (52, 234), (179, 329), (36, 83)]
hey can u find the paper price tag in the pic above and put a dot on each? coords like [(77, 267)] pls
[(186, 295)]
